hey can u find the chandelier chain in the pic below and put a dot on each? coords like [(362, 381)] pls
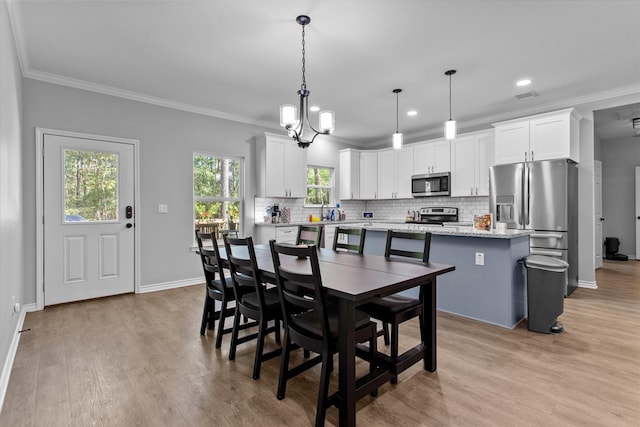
[(304, 80)]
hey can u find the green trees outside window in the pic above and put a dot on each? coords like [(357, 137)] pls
[(90, 186), (319, 186), (216, 192)]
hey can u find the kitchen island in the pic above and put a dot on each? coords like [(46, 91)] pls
[(494, 292)]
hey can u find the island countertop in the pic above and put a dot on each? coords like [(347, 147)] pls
[(459, 229)]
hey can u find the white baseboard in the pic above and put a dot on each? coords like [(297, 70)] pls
[(170, 285), (587, 284), (11, 355)]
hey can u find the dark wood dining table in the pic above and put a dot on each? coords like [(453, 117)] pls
[(354, 280)]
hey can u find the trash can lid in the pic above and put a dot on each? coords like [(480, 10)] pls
[(548, 263)]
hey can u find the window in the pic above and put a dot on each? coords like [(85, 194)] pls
[(217, 193), (319, 186), (90, 186)]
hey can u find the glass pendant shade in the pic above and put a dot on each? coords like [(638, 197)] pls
[(327, 121), (288, 115), (397, 141), (450, 129)]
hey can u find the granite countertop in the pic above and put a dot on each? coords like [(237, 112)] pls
[(460, 229)]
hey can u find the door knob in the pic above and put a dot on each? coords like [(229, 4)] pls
[(129, 225), (602, 219)]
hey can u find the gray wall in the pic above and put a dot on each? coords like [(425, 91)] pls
[(620, 157), (168, 139), (12, 223)]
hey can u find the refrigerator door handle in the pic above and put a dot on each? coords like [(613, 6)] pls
[(527, 192)]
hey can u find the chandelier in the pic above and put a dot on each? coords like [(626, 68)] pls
[(294, 119)]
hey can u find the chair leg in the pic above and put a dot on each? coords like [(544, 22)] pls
[(276, 324), (257, 361), (321, 410), (284, 366), (373, 352), (205, 315), (423, 338), (385, 328), (234, 334), (223, 309), (394, 348)]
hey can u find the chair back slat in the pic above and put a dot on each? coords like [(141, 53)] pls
[(393, 237), (339, 244), (309, 235), (299, 284)]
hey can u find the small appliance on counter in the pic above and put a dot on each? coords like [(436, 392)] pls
[(435, 216)]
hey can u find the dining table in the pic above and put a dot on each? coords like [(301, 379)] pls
[(353, 280)]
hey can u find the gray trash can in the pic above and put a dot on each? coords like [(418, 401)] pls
[(546, 278)]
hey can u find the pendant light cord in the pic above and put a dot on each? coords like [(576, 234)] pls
[(450, 96), (397, 102)]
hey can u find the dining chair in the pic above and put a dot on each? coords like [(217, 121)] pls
[(220, 289), (395, 309), (311, 323), (253, 300), (309, 235), (342, 237)]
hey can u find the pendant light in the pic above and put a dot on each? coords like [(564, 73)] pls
[(293, 119), (450, 125), (397, 137)]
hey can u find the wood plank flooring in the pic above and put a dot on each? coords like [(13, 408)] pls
[(138, 360)]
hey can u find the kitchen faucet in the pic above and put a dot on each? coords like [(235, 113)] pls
[(322, 217)]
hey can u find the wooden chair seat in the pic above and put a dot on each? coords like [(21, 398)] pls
[(311, 321), (271, 300)]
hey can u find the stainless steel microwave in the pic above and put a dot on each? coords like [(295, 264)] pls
[(432, 184)]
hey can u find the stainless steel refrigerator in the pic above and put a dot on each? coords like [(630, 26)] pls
[(541, 196)]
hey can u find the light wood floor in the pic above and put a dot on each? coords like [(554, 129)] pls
[(139, 360)]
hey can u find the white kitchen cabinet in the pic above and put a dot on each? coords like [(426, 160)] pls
[(349, 174), (395, 168), (282, 234), (368, 175), (281, 167), (471, 157), (547, 136), (431, 157)]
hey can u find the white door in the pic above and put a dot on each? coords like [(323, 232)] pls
[(597, 177), (88, 218), (638, 212)]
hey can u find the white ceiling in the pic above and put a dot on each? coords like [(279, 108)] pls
[(241, 59)]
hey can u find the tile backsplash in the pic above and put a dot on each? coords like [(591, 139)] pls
[(395, 210)]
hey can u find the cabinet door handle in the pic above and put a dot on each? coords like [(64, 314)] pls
[(525, 156), (532, 155)]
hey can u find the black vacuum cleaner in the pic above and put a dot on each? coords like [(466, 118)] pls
[(612, 244)]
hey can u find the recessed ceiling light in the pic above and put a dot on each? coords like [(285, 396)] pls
[(314, 108), (523, 82), (412, 113)]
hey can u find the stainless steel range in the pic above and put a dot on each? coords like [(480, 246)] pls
[(436, 216)]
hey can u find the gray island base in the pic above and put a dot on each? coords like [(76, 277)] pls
[(494, 292)]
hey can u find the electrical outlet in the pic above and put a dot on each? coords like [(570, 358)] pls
[(163, 208), (479, 258)]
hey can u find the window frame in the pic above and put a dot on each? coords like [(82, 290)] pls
[(331, 187), (214, 199)]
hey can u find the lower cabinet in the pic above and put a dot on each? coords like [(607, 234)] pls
[(286, 234)]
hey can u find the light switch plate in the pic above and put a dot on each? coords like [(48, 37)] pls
[(163, 209), (479, 258)]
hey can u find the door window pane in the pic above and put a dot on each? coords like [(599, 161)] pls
[(90, 186)]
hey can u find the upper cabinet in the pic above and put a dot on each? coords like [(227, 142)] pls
[(349, 174), (281, 167), (431, 157), (368, 175), (471, 157), (547, 136), (395, 168)]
